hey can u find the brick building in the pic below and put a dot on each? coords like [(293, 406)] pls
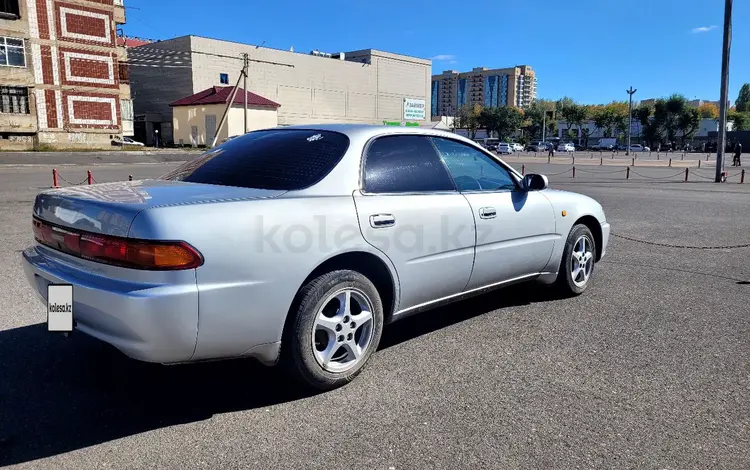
[(64, 80)]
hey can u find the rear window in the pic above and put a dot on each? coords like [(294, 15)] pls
[(287, 159)]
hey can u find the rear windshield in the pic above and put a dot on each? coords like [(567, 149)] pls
[(281, 159)]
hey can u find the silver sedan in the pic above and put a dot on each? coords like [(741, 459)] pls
[(295, 245)]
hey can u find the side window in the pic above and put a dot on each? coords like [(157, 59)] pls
[(404, 163), (471, 169)]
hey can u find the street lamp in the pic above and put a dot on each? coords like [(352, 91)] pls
[(630, 93)]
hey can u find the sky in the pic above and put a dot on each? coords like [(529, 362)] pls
[(589, 50)]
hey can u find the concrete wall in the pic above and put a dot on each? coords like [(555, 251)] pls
[(185, 117), (314, 89), (257, 118)]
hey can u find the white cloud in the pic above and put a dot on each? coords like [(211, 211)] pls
[(453, 62), (443, 57), (703, 29)]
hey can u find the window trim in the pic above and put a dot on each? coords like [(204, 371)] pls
[(4, 43), (363, 161), (511, 171), (28, 97), (12, 16)]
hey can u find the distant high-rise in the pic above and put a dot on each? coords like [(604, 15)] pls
[(512, 86)]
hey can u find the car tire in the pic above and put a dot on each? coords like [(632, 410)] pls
[(316, 310), (570, 281)]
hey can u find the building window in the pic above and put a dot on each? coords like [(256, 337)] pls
[(123, 71), (126, 110), (9, 9), (224, 78), (14, 100), (12, 53)]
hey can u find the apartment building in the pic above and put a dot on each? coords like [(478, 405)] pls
[(63, 79), (365, 86), (512, 86)]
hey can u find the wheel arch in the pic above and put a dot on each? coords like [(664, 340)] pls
[(596, 230), (370, 265)]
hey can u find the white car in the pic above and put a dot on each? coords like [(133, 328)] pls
[(517, 147), (129, 141), (566, 147), (639, 148), (504, 148)]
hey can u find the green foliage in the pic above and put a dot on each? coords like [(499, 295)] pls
[(503, 121), (688, 122), (575, 115), (467, 117), (742, 105), (741, 120)]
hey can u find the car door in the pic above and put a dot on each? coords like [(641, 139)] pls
[(515, 228), (409, 208)]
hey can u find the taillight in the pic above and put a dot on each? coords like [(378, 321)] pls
[(125, 252)]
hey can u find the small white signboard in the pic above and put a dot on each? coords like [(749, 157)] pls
[(414, 110), (60, 307)]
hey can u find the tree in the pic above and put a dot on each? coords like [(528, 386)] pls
[(534, 116), (509, 119), (708, 110), (489, 119), (688, 122), (650, 131), (741, 120), (574, 115), (742, 104), (467, 118)]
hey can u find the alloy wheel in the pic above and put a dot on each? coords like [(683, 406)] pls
[(582, 261), (343, 329)]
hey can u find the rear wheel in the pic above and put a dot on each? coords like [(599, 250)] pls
[(336, 326), (578, 260)]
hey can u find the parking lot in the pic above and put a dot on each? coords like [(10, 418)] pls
[(650, 368)]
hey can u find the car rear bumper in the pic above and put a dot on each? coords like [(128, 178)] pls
[(152, 322)]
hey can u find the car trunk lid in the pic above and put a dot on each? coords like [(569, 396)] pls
[(109, 208)]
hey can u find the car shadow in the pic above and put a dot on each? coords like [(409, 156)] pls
[(61, 394)]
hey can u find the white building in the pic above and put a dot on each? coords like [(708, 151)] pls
[(365, 86)]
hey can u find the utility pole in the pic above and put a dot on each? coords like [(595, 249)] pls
[(630, 92), (246, 60), (724, 90), (226, 111), (544, 125)]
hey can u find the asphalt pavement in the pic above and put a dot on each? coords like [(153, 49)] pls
[(650, 368)]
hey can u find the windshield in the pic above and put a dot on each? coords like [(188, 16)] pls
[(279, 159)]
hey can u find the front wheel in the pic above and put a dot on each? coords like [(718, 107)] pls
[(578, 261), (335, 328)]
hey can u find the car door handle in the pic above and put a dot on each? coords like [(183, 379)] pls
[(487, 212), (382, 220)]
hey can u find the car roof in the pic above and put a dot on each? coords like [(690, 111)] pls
[(366, 131)]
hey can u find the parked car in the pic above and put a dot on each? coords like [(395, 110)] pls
[(517, 147), (538, 146), (285, 245), (639, 148), (504, 148), (566, 147), (127, 141)]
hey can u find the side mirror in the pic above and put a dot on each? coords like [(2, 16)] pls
[(535, 182)]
